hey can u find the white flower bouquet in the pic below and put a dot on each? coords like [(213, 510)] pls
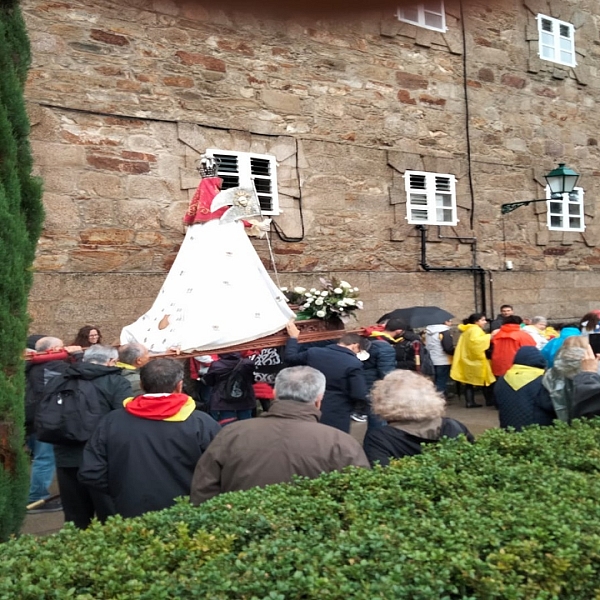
[(336, 299)]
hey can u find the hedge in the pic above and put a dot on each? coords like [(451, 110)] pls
[(21, 217), (516, 515)]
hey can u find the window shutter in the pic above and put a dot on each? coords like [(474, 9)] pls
[(431, 198), (228, 170), (260, 169), (430, 14), (243, 169), (417, 182)]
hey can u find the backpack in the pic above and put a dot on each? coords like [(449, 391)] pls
[(69, 413), (236, 387), (425, 364)]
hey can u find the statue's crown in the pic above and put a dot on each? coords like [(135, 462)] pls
[(208, 166)]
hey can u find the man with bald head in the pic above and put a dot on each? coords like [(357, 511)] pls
[(49, 359)]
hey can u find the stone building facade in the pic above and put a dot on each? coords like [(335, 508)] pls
[(125, 96)]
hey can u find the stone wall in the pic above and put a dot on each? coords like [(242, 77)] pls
[(124, 97)]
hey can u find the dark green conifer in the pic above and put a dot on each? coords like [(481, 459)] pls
[(21, 218)]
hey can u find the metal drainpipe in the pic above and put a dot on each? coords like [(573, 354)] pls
[(491, 282), (474, 269)]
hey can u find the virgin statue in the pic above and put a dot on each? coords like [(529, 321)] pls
[(217, 293)]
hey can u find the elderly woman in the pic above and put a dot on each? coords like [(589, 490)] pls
[(558, 380), (414, 411)]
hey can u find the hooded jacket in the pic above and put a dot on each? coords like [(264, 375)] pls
[(400, 439), (112, 389), (440, 344), (132, 374), (553, 346), (520, 396), (505, 344), (470, 364), (144, 456), (558, 380), (381, 361), (288, 440), (217, 375), (586, 392)]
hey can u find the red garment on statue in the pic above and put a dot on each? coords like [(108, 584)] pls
[(199, 209)]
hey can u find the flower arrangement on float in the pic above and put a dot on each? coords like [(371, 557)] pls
[(335, 299)]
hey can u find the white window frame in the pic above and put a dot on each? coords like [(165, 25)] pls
[(423, 9), (269, 200), (554, 42), (566, 204), (423, 191)]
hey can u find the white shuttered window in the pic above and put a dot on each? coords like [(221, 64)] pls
[(565, 211), (430, 198), (428, 14), (557, 41), (242, 169)]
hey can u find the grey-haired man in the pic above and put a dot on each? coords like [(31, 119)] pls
[(98, 367), (288, 440)]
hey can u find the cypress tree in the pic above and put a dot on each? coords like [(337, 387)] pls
[(21, 218)]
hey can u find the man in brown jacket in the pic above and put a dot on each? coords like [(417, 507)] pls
[(288, 440)]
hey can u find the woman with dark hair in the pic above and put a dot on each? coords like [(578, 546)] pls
[(590, 322), (87, 336), (470, 365)]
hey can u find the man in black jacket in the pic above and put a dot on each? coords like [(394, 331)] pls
[(144, 456), (79, 502), (346, 387)]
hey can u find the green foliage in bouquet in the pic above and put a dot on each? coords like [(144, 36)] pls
[(335, 299)]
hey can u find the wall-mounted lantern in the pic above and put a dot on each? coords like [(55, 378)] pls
[(561, 180)]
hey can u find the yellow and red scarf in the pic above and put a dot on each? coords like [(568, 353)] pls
[(166, 407)]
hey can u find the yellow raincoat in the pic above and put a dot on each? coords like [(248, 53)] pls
[(469, 364)]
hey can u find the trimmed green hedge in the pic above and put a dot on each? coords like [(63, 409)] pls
[(516, 515), (21, 217)]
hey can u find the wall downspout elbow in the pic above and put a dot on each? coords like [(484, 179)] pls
[(423, 264)]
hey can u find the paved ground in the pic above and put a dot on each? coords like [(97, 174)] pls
[(476, 419)]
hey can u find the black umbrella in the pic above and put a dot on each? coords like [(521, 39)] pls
[(419, 316)]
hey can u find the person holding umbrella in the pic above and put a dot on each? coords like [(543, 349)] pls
[(471, 366), (410, 352), (418, 316)]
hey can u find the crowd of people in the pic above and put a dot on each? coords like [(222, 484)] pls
[(126, 433), (532, 373)]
